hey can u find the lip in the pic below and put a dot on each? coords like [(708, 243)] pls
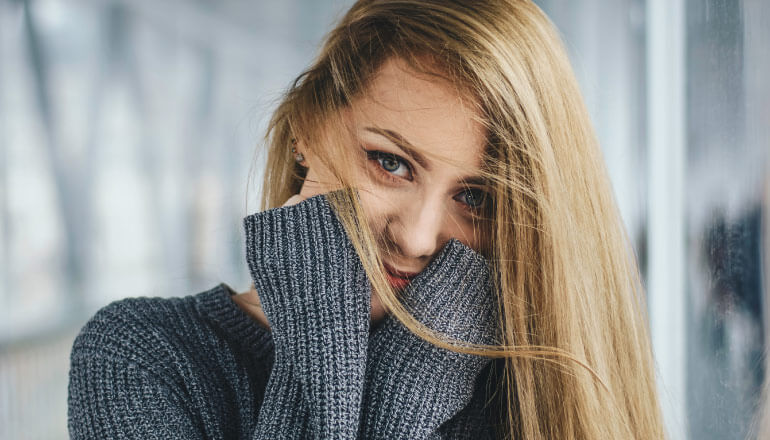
[(396, 282), (400, 274)]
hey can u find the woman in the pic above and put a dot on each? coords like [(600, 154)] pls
[(441, 257)]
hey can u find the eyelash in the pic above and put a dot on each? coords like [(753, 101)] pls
[(376, 155)]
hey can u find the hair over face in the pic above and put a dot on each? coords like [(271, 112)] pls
[(575, 360)]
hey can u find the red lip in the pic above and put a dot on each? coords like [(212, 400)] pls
[(398, 283), (400, 274)]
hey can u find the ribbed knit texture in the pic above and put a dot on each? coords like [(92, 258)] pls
[(452, 295), (198, 367), (315, 293)]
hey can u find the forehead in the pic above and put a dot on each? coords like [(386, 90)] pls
[(425, 110)]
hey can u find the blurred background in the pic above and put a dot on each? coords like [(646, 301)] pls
[(127, 137)]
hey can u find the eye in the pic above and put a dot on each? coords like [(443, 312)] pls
[(474, 199), (391, 166)]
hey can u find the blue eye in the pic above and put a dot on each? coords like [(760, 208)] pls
[(475, 198), (389, 165)]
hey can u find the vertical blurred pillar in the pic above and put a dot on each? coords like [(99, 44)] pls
[(605, 40), (762, 416), (666, 240), (756, 14)]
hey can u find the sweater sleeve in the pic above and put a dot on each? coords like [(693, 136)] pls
[(110, 398), (316, 295), (414, 387), (469, 424), (473, 421), (123, 382)]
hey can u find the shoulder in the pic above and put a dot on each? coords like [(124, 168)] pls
[(138, 369), (143, 330), (200, 332)]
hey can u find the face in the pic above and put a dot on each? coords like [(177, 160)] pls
[(414, 202)]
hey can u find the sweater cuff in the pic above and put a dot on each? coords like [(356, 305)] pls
[(453, 295), (317, 297), (304, 266)]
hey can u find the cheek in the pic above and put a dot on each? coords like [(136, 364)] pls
[(469, 231), (377, 200), (377, 204), (467, 234), (480, 233), (383, 204)]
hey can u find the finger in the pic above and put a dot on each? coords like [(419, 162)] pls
[(293, 200)]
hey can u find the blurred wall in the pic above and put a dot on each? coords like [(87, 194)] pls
[(128, 131)]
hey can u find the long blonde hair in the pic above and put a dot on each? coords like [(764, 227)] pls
[(575, 356)]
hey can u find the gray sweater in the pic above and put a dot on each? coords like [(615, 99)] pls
[(198, 367)]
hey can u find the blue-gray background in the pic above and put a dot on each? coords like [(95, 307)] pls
[(128, 131)]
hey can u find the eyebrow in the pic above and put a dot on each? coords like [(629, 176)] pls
[(412, 152)]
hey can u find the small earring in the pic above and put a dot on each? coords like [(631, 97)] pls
[(297, 156)]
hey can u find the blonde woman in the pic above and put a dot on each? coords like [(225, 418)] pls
[(439, 256)]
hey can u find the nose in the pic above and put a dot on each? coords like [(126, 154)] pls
[(421, 228)]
